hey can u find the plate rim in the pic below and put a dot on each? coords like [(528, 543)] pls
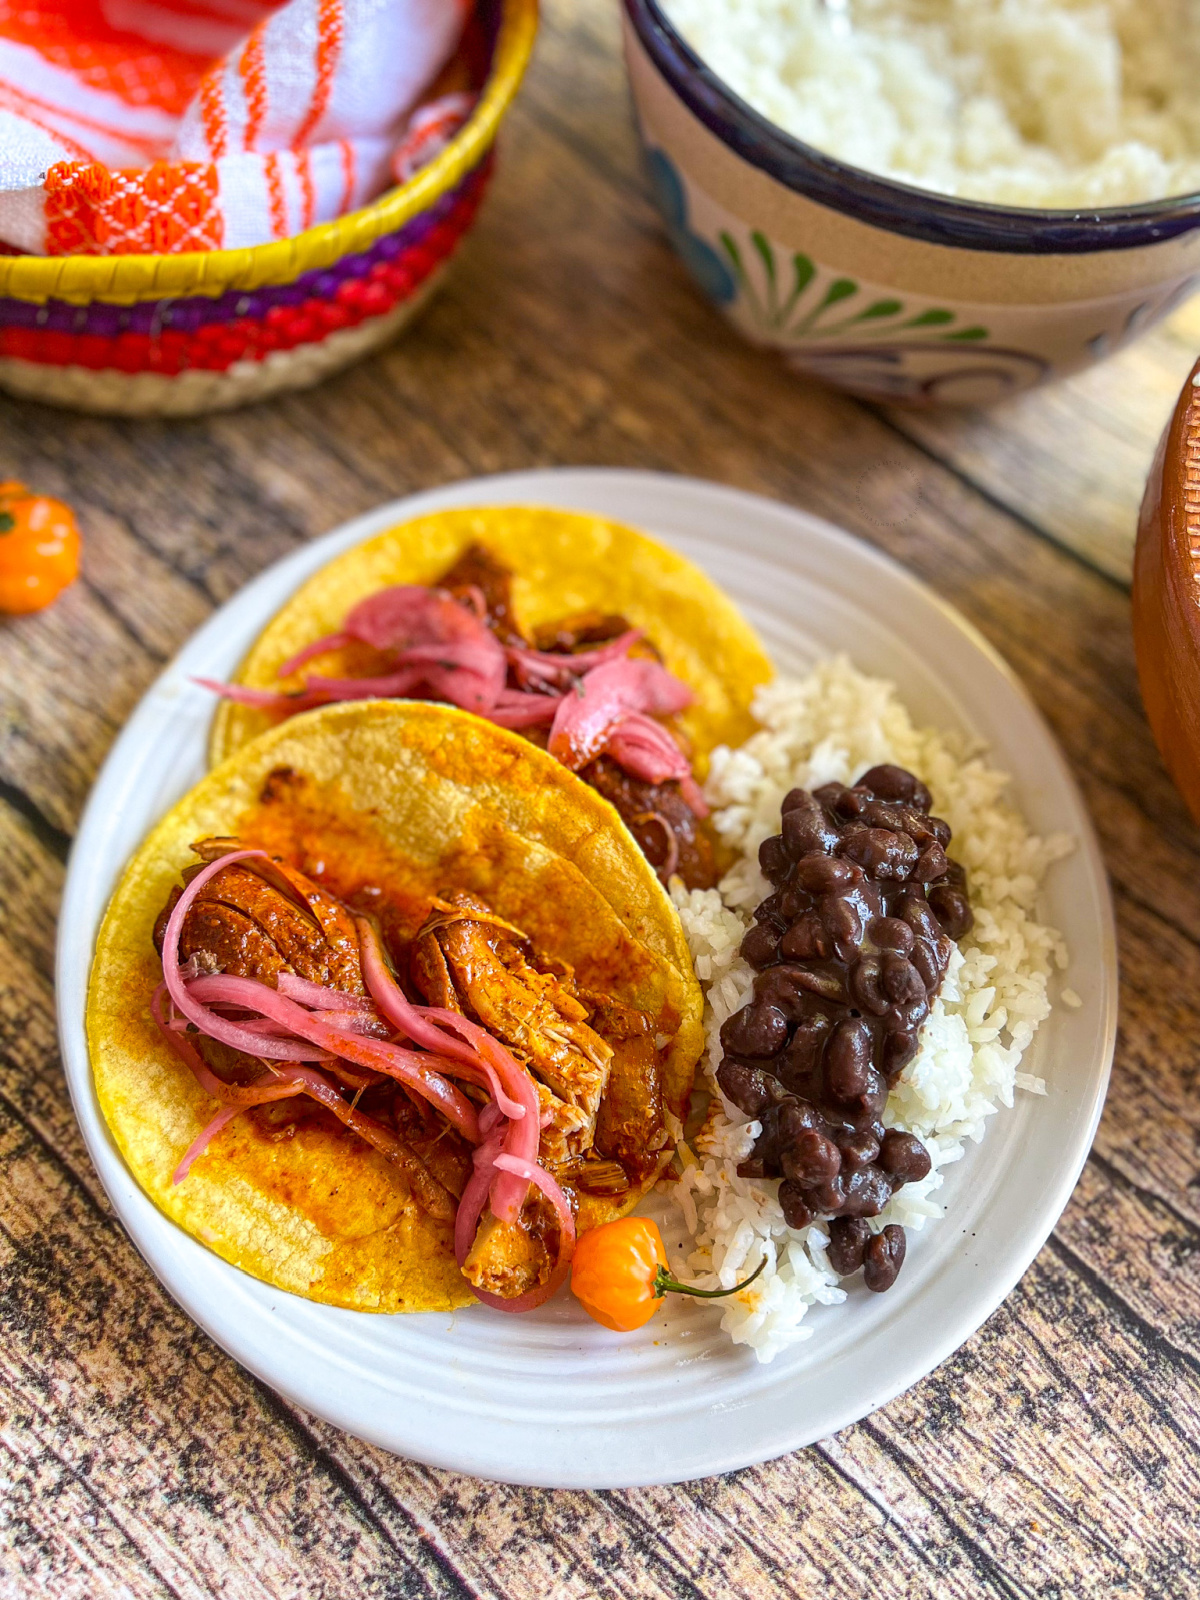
[(537, 486)]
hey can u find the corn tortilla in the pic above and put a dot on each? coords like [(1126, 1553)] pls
[(435, 799), (563, 562)]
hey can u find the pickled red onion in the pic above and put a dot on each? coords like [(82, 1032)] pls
[(475, 1193), (189, 997), (533, 1173), (202, 1141), (319, 647), (295, 1079), (488, 1159), (207, 1021), (558, 667), (584, 720), (318, 997), (415, 1070), (420, 1023), (240, 1095), (516, 711), (646, 749), (672, 859), (512, 1087)]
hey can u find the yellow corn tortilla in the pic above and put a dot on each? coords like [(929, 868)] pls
[(563, 562), (442, 800)]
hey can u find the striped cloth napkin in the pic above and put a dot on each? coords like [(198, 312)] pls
[(170, 125)]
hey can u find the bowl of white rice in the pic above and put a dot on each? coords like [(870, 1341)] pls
[(930, 201)]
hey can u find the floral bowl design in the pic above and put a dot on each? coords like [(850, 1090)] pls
[(889, 291)]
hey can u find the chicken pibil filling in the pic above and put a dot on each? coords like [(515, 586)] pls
[(594, 1061), (674, 840)]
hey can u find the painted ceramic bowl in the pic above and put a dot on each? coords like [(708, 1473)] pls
[(175, 335), (1166, 595), (890, 291)]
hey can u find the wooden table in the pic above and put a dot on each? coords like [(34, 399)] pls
[(1057, 1454)]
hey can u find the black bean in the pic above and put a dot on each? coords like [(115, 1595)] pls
[(923, 830), (952, 909), (842, 802), (918, 825), (859, 1149), (827, 1199), (881, 853), (924, 958), (895, 783), (813, 1159), (904, 1157), (760, 947), (751, 1090), (782, 1125), (838, 1018), (915, 910), (848, 1059), (774, 859), (758, 1030), (848, 1238), (793, 903), (828, 981), (796, 1116), (883, 1258), (889, 933), (901, 980), (897, 1050), (796, 1212), (843, 924), (867, 1192), (781, 988), (799, 1062), (805, 940), (772, 910), (931, 864), (873, 1099), (806, 829), (866, 986), (820, 874)]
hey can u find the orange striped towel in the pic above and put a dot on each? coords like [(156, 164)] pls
[(169, 125)]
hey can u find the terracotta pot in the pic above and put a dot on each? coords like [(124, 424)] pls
[(1166, 595)]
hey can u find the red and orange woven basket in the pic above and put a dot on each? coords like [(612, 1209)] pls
[(178, 335)]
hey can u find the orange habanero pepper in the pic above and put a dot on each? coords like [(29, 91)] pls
[(619, 1272), (39, 548)]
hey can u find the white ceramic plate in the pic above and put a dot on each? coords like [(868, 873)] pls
[(551, 1398)]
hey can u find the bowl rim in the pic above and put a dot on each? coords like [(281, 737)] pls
[(886, 203), (129, 278)]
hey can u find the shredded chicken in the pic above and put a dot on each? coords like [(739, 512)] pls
[(471, 961), (259, 919), (467, 960)]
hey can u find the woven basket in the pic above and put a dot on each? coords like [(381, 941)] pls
[(144, 335)]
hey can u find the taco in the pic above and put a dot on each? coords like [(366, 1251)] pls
[(389, 1008), (621, 658)]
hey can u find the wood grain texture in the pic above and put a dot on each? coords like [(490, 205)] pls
[(1058, 1453)]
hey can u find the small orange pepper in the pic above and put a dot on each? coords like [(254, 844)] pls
[(39, 548), (620, 1274)]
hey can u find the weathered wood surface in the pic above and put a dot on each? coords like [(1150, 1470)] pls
[(1058, 1454)]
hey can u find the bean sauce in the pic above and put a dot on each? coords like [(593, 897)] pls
[(850, 951)]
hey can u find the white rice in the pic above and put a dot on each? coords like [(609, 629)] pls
[(1022, 102), (833, 725)]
